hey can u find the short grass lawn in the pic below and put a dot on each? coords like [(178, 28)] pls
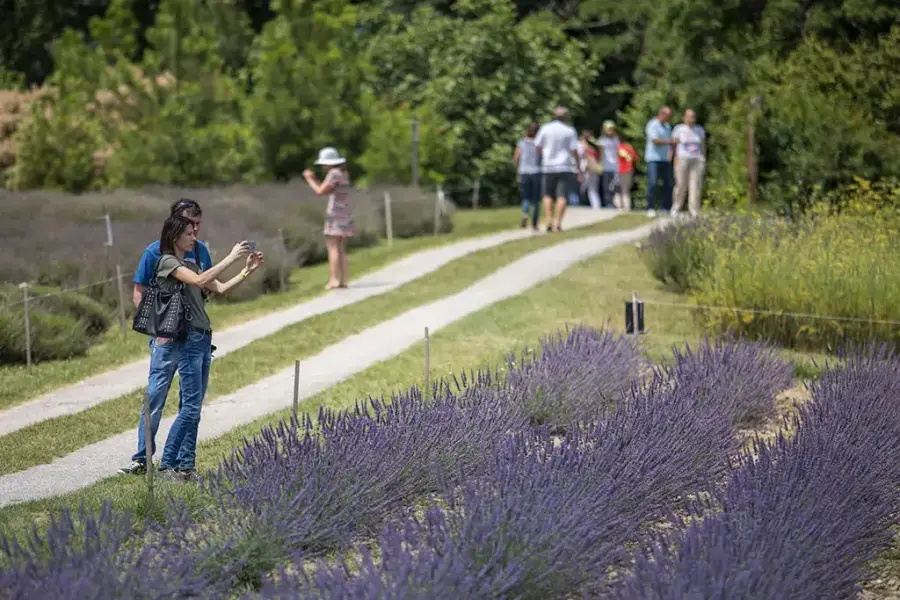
[(42, 442), (593, 292), (18, 384)]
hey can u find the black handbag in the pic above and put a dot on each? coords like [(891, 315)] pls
[(162, 314)]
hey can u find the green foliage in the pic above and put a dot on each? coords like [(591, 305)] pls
[(57, 143), (195, 92), (95, 317), (307, 85), (388, 150), (484, 72), (62, 325), (53, 336)]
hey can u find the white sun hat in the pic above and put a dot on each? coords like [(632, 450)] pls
[(330, 157)]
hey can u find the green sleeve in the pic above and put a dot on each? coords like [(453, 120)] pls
[(167, 265)]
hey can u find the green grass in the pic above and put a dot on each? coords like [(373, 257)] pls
[(19, 384), (42, 442), (592, 292)]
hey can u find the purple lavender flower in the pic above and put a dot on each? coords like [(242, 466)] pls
[(93, 556), (801, 515), (740, 377), (578, 374)]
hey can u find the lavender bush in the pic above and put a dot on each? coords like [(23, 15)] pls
[(802, 518), (314, 488), (547, 517), (578, 374), (742, 378), (93, 556), (509, 510)]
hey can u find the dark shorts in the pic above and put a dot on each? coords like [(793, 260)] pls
[(559, 185)]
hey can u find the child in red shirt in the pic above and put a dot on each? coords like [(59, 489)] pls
[(628, 159)]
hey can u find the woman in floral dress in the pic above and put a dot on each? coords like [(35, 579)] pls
[(338, 221)]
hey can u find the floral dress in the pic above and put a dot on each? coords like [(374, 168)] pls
[(338, 221)]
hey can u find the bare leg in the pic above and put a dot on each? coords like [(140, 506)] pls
[(548, 211), (344, 260), (560, 211), (332, 243)]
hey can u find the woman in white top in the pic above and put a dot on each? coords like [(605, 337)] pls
[(690, 163)]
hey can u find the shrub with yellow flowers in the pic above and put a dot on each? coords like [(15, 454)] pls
[(818, 282)]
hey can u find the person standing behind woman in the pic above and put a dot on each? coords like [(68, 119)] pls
[(609, 146), (628, 158), (191, 355), (338, 221), (690, 163), (528, 174)]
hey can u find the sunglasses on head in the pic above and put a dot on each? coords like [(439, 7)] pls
[(185, 204)]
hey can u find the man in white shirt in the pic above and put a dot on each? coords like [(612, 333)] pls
[(557, 142), (690, 163)]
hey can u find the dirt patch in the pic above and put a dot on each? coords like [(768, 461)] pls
[(787, 403)]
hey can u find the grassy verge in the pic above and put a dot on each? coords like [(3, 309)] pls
[(42, 442), (591, 292), (18, 384)]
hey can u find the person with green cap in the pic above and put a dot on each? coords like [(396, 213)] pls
[(609, 150)]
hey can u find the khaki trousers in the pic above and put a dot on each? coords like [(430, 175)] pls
[(689, 180)]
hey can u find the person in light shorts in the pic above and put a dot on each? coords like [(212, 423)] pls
[(560, 165)]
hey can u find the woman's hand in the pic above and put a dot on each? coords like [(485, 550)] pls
[(308, 174), (240, 250), (254, 261)]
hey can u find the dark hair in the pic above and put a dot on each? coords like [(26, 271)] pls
[(532, 129), (172, 229), (186, 204)]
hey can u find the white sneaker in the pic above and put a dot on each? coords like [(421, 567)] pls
[(651, 213)]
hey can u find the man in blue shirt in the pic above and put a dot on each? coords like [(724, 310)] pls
[(189, 209), (658, 156)]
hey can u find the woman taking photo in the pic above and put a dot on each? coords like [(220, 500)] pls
[(191, 355), (338, 222)]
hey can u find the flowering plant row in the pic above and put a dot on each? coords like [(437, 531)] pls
[(800, 515), (467, 494), (548, 516)]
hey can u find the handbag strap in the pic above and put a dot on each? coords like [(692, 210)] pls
[(154, 282)]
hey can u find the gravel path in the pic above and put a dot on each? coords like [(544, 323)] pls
[(133, 376), (334, 364)]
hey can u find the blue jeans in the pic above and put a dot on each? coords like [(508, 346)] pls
[(163, 364), (657, 170), (530, 192), (193, 369)]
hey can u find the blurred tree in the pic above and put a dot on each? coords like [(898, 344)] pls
[(485, 73), (388, 151), (308, 74)]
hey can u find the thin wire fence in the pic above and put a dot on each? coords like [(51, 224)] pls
[(776, 313)]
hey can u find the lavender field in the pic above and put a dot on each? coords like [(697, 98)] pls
[(585, 472)]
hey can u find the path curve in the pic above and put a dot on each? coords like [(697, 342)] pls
[(128, 378), (327, 368)]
